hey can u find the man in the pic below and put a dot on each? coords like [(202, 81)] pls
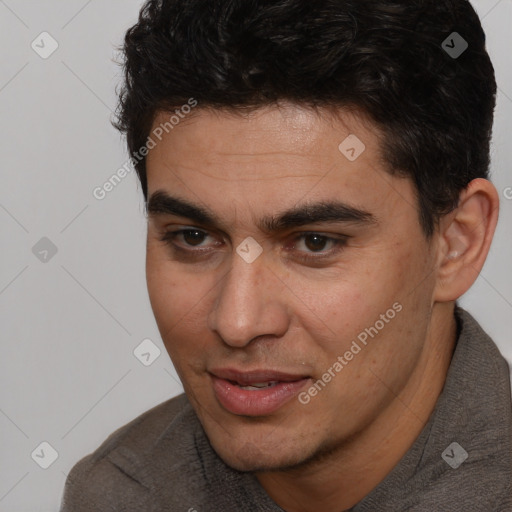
[(316, 184)]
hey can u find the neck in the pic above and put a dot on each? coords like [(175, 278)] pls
[(346, 475)]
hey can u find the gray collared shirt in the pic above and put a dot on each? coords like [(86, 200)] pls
[(462, 460)]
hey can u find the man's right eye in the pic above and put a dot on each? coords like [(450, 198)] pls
[(189, 237)]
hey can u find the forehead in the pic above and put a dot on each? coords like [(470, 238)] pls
[(272, 158), (268, 133)]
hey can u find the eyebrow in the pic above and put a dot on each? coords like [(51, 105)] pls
[(161, 203)]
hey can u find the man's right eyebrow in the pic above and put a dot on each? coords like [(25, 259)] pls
[(161, 203)]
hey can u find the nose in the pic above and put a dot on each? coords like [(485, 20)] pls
[(250, 302)]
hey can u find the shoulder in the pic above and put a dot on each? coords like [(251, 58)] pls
[(113, 476), (506, 503)]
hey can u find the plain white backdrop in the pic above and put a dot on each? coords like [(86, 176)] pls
[(73, 299)]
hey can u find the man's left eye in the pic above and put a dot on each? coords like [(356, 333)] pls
[(315, 242)]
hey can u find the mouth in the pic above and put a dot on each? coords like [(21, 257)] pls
[(255, 393), (257, 385)]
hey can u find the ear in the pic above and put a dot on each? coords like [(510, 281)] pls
[(465, 237)]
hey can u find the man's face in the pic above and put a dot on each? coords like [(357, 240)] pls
[(286, 316)]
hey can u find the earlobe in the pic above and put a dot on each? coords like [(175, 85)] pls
[(464, 240)]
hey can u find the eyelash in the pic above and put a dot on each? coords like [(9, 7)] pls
[(169, 237)]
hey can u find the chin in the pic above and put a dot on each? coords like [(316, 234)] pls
[(258, 461), (253, 444), (266, 454)]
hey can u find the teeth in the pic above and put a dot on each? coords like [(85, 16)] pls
[(259, 385)]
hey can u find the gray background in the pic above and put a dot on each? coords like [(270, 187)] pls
[(70, 324)]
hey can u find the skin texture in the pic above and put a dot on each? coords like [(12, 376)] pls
[(285, 313)]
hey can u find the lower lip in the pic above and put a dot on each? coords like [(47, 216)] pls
[(258, 402)]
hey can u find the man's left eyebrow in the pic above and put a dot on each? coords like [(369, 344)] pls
[(314, 213)]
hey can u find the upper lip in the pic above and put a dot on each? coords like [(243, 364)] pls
[(246, 378)]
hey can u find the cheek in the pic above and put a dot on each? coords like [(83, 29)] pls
[(168, 285), (163, 288), (334, 311), (342, 308), (180, 302), (350, 306), (168, 292)]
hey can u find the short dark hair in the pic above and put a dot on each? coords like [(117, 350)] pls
[(385, 58)]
